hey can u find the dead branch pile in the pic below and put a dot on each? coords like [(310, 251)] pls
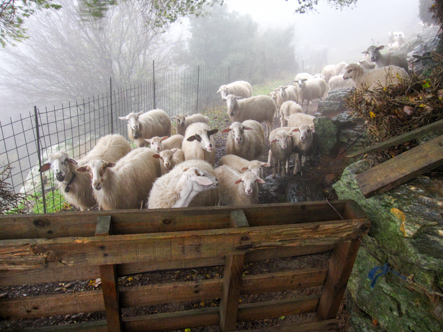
[(396, 109)]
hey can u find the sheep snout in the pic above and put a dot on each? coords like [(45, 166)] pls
[(97, 185), (60, 176)]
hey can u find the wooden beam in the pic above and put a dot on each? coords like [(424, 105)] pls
[(340, 268), (83, 224), (402, 168), (431, 130), (232, 279), (330, 325), (118, 249), (109, 282)]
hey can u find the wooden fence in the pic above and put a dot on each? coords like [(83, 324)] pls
[(108, 244)]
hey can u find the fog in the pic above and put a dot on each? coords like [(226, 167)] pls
[(342, 33), (327, 33)]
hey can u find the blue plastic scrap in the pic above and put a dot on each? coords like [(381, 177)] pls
[(384, 270)]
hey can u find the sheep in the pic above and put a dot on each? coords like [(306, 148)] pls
[(199, 143), (378, 77), (280, 150), (162, 143), (301, 76), (288, 108), (284, 93), (238, 88), (241, 164), (169, 159), (126, 183), (259, 108), (76, 188), (183, 121), (332, 70), (181, 187), (245, 139), (312, 89), (146, 125), (338, 82), (297, 119), (237, 188), (390, 58), (303, 145)]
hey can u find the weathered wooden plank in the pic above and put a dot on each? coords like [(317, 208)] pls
[(82, 224), (431, 130), (109, 279), (330, 325), (51, 305), (402, 168), (97, 326), (340, 268), (71, 273), (232, 279), (155, 294), (118, 249), (172, 321), (277, 308)]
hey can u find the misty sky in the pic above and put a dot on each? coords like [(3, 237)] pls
[(344, 33)]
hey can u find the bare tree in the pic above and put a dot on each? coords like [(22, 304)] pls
[(67, 58)]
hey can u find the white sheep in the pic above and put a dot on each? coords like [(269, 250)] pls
[(280, 150), (169, 159), (297, 119), (184, 121), (390, 58), (165, 143), (146, 125), (238, 88), (332, 70), (76, 188), (383, 76), (199, 142), (302, 76), (245, 139), (126, 183), (311, 89), (242, 164), (237, 188), (284, 93), (259, 108), (338, 82), (303, 145), (182, 187), (288, 108)]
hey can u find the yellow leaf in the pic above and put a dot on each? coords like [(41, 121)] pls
[(372, 115), (130, 278), (188, 330)]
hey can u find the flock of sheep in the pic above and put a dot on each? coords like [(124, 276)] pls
[(178, 170)]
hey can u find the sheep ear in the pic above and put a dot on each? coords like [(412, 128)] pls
[(247, 128), (273, 141), (123, 118), (164, 137), (174, 150), (148, 140), (296, 129), (380, 47), (174, 118), (238, 181), (139, 113), (224, 131), (244, 169), (265, 164), (157, 156), (259, 180), (194, 137), (312, 128), (81, 169), (72, 161), (110, 164), (212, 131), (186, 114), (45, 167), (203, 180)]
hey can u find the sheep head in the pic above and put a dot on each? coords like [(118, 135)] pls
[(61, 165), (249, 181), (97, 171), (204, 137), (133, 123)]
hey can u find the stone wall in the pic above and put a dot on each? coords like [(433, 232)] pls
[(407, 232)]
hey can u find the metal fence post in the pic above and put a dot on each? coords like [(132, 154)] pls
[(198, 86), (153, 80), (110, 97), (39, 158)]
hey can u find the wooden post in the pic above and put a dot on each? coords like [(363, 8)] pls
[(232, 279), (109, 277), (340, 267)]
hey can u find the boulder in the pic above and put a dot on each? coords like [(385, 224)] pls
[(407, 232)]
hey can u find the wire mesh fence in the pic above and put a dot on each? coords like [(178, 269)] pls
[(75, 127)]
